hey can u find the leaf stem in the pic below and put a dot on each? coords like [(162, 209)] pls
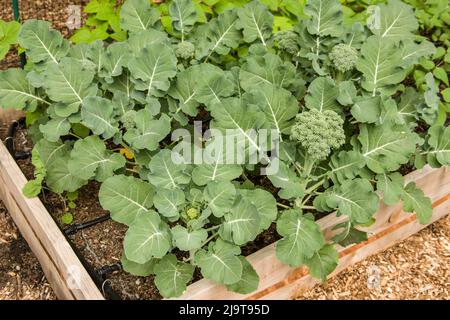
[(209, 239), (308, 207), (212, 228), (314, 187), (283, 206)]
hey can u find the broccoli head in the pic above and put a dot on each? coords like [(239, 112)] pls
[(344, 57), (128, 119), (318, 132), (185, 50), (287, 41)]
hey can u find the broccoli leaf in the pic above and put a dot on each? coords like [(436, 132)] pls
[(220, 262), (392, 187), (439, 153), (256, 22), (172, 276), (302, 238), (220, 197), (165, 172), (354, 198), (126, 197), (148, 237), (414, 200), (241, 224), (186, 240), (249, 280), (137, 15), (323, 262), (168, 202), (89, 158)]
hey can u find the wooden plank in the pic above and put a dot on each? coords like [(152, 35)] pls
[(60, 264), (279, 281)]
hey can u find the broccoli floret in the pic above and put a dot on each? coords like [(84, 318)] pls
[(318, 132), (128, 119), (192, 213), (344, 57), (185, 50), (287, 41)]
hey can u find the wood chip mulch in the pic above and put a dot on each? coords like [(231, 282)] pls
[(417, 268)]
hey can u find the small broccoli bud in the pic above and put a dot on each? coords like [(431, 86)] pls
[(185, 50), (344, 57), (318, 132), (128, 119), (192, 213), (287, 41)]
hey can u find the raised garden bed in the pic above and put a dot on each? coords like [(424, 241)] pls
[(278, 281), (344, 126)]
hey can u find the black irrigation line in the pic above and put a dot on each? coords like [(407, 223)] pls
[(98, 276)]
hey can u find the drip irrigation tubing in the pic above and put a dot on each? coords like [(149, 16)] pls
[(74, 228)]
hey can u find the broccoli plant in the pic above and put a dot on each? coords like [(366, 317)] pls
[(333, 96)]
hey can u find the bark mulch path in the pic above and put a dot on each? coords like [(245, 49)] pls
[(417, 268)]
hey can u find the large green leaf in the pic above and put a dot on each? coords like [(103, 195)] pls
[(391, 185), (221, 36), (220, 197), (278, 105), (113, 60), (90, 158), (165, 173), (126, 197), (183, 15), (185, 90), (97, 114), (412, 52), (302, 237), (322, 95), (214, 166), (249, 281), (16, 91), (439, 141), (269, 69), (220, 262), (265, 204), (152, 68), (68, 83), (172, 276), (345, 165), (386, 147), (414, 200), (138, 269), (232, 113), (148, 132), (42, 43), (397, 21), (59, 178), (256, 22), (354, 198), (323, 262), (241, 224), (168, 202), (147, 237), (137, 15), (380, 62), (212, 84), (326, 17), (287, 179), (185, 240), (55, 128)]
